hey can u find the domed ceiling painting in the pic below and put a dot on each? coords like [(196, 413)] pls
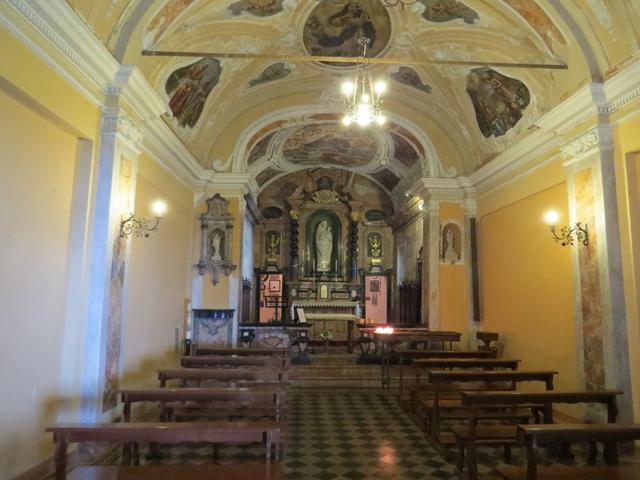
[(333, 28), (330, 144), (221, 103)]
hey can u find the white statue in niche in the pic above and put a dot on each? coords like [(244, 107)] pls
[(450, 254), (324, 244), (215, 247)]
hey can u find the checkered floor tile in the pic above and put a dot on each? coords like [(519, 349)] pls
[(350, 435)]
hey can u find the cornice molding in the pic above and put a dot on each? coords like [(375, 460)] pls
[(57, 23)]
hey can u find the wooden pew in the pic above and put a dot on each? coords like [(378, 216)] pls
[(266, 432), (472, 434), (220, 375), (271, 471), (457, 363), (225, 402), (609, 434), (244, 352), (439, 378), (229, 361)]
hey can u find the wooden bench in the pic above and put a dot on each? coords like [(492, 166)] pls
[(609, 434), (266, 432), (243, 352), (486, 338), (457, 363), (230, 361), (253, 471), (259, 401), (469, 436), (220, 375), (493, 379)]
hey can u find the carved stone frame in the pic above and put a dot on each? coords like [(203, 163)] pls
[(216, 219)]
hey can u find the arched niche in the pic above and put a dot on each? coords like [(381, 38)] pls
[(312, 260)]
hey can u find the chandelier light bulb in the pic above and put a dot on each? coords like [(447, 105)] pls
[(381, 119), (347, 88), (346, 120), (380, 87)]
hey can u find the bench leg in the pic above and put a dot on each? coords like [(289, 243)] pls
[(61, 459), (136, 453), (507, 453), (460, 459), (472, 463), (611, 453), (126, 454), (593, 453), (215, 453)]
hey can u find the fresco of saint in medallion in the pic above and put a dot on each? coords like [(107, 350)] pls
[(498, 100), (188, 88), (333, 29)]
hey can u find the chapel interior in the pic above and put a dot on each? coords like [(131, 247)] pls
[(320, 239)]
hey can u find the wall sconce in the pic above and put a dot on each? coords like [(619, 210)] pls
[(567, 235), (141, 226)]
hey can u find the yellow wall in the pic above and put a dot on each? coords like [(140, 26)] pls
[(36, 182), (627, 156), (526, 279), (158, 277), (454, 306)]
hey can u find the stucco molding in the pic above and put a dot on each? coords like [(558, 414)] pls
[(595, 140)]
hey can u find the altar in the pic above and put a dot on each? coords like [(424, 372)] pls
[(318, 244)]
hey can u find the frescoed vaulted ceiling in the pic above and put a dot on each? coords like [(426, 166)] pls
[(271, 117)]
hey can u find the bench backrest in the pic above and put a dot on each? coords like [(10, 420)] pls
[(199, 375), (466, 363), (415, 354), (485, 399), (460, 376), (230, 396), (231, 361)]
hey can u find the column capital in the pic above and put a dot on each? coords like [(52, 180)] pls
[(115, 122), (470, 207), (598, 139)]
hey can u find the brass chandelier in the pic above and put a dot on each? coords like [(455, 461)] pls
[(363, 96)]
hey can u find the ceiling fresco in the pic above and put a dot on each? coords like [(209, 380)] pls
[(330, 144), (223, 109), (333, 29), (448, 10)]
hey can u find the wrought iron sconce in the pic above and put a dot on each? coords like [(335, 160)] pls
[(141, 226), (567, 235)]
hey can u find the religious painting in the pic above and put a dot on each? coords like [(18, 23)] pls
[(448, 10), (451, 243), (163, 20), (403, 151), (498, 100), (259, 149), (330, 144), (188, 88), (408, 76), (374, 245), (266, 175), (387, 178), (271, 73), (257, 8), (333, 29)]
